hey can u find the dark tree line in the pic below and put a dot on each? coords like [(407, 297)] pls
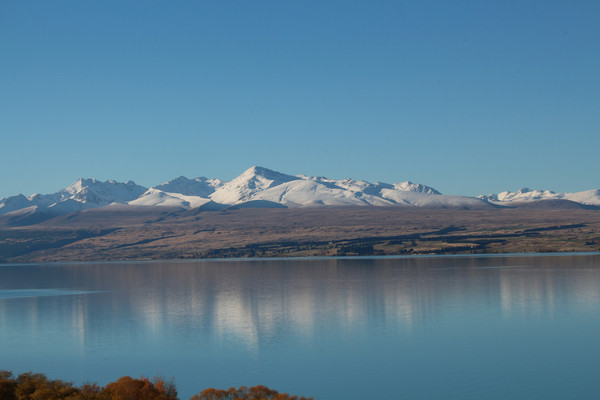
[(32, 386)]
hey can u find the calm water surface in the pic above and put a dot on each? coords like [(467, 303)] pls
[(378, 328)]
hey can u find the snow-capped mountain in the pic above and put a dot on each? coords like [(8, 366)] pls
[(588, 197), (250, 183), (157, 197), (82, 194), (13, 203), (415, 187), (303, 191), (262, 187), (96, 193)]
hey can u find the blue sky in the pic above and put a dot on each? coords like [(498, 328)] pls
[(469, 97)]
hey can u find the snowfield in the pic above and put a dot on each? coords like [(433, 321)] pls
[(588, 197)]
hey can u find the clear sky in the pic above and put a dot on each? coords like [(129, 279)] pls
[(468, 97)]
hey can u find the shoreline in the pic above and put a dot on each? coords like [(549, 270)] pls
[(262, 259)]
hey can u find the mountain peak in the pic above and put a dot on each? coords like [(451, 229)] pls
[(98, 193), (265, 173), (252, 181), (80, 184), (408, 186), (256, 169), (262, 174)]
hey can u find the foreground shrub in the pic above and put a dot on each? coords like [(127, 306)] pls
[(244, 393), (128, 388), (30, 386), (7, 386)]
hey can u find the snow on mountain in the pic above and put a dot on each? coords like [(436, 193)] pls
[(349, 184), (95, 193), (588, 197), (13, 203), (156, 197), (45, 200), (303, 191), (68, 205), (262, 187), (424, 199), (523, 194), (82, 194), (306, 193), (249, 183), (408, 186)]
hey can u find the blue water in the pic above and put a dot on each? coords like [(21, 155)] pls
[(378, 328)]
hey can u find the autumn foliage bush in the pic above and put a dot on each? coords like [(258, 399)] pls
[(244, 393), (30, 386)]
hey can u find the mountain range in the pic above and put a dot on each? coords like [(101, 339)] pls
[(265, 188)]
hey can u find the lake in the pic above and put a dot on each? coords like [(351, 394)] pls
[(462, 327)]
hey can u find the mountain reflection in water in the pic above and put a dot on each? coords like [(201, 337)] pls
[(330, 328)]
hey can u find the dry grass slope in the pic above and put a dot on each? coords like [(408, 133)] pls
[(328, 231)]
